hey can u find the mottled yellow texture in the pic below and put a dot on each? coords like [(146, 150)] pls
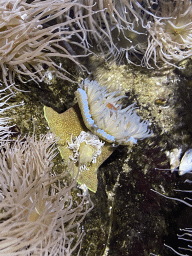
[(71, 123)]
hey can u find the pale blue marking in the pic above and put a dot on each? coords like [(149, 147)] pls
[(86, 112), (88, 115), (132, 140), (110, 137), (90, 121), (83, 93)]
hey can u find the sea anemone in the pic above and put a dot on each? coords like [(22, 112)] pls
[(37, 212), (146, 32), (32, 33), (170, 35), (5, 128), (86, 148), (120, 27), (104, 115)]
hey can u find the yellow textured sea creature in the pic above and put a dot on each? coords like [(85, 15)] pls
[(89, 132), (71, 123)]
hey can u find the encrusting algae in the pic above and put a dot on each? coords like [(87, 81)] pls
[(89, 133)]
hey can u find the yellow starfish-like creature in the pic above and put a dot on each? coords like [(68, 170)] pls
[(70, 123)]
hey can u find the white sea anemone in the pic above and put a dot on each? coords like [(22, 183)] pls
[(153, 32), (86, 148), (37, 213), (118, 26), (5, 128), (105, 116), (31, 34), (170, 35)]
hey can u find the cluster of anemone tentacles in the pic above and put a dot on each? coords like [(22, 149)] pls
[(32, 33), (146, 32), (38, 214)]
